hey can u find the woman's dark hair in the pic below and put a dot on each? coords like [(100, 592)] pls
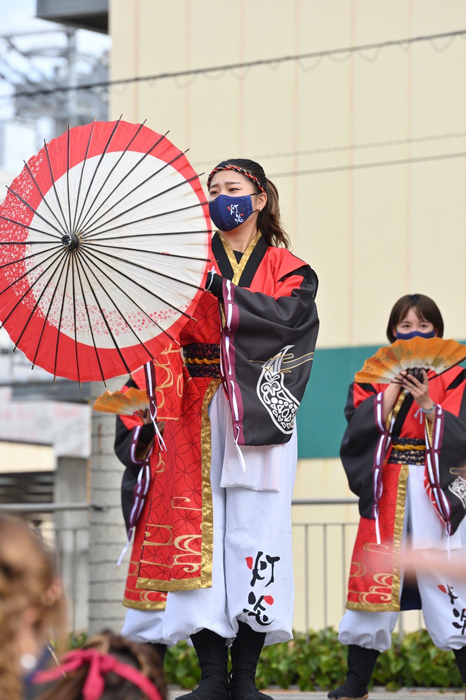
[(268, 221), (426, 309), (143, 657)]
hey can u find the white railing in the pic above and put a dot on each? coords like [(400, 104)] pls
[(322, 545), (323, 542)]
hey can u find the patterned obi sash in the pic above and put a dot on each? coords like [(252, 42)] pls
[(202, 359), (408, 451)]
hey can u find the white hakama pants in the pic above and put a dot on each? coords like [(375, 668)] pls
[(252, 568), (144, 626), (443, 597)]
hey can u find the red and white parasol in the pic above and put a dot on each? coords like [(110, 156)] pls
[(104, 240)]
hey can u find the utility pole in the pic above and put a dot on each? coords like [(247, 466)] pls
[(72, 107), (72, 103)]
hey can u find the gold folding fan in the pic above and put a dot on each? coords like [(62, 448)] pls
[(123, 403), (434, 354)]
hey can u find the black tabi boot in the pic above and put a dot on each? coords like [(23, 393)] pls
[(361, 664), (460, 655), (245, 652), (212, 652)]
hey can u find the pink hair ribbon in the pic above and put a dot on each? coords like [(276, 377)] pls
[(99, 666)]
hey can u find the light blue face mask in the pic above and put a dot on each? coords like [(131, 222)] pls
[(414, 334), (229, 212)]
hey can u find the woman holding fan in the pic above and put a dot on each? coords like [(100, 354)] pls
[(404, 453)]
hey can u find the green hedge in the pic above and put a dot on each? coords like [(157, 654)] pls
[(320, 663)]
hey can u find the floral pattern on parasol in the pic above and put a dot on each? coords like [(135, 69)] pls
[(104, 244)]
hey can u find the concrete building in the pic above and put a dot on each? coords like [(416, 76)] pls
[(45, 425)]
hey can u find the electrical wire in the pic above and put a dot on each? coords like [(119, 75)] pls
[(348, 147), (32, 63), (334, 54), (365, 166)]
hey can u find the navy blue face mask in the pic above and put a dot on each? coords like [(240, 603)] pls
[(414, 334), (229, 212)]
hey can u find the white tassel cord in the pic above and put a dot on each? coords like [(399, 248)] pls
[(138, 504), (210, 277), (151, 392), (238, 450), (377, 527), (125, 548), (158, 434)]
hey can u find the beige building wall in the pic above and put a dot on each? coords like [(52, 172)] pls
[(367, 147), (372, 233)]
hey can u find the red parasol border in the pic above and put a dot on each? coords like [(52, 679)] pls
[(111, 364)]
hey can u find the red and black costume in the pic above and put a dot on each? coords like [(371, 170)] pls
[(273, 307)]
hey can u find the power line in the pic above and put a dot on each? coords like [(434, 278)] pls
[(23, 54), (23, 76), (365, 166), (349, 147), (319, 55), (35, 32)]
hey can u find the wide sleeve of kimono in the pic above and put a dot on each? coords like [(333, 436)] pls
[(128, 453), (446, 451), (361, 448), (131, 452), (267, 349), (169, 389)]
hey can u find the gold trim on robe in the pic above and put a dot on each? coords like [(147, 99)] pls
[(238, 267), (383, 587), (205, 579), (144, 604)]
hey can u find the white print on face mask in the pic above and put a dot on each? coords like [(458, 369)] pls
[(234, 212)]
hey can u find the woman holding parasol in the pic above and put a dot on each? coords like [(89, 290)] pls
[(104, 239), (216, 529), (404, 453)]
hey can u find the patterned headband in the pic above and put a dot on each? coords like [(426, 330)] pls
[(241, 171)]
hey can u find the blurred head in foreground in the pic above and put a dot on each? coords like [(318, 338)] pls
[(31, 603), (108, 667)]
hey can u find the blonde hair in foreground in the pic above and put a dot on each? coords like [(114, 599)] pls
[(31, 600)]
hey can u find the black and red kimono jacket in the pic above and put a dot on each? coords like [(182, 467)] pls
[(258, 340), (376, 457)]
